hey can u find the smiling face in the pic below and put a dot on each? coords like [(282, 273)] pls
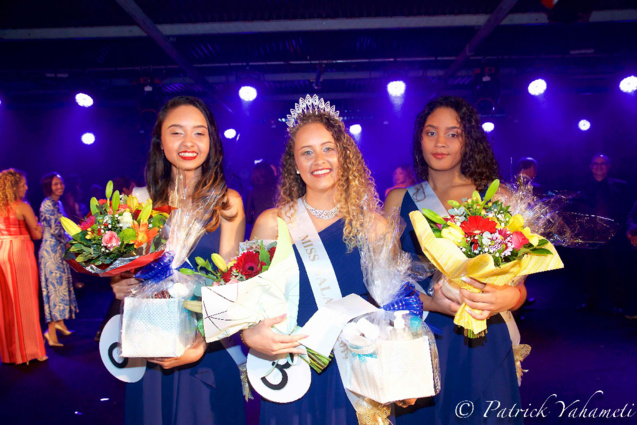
[(316, 157), (22, 188), (442, 140), (185, 138), (57, 187)]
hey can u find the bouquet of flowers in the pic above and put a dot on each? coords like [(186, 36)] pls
[(484, 240), (254, 259), (155, 322), (119, 234), (392, 354), (261, 283)]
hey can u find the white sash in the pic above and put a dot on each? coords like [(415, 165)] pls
[(320, 272)]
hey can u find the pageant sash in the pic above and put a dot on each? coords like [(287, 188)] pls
[(424, 197), (320, 272)]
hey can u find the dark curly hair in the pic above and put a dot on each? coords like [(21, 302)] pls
[(159, 169), (478, 161)]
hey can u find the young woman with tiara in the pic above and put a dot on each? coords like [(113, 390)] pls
[(327, 193), (203, 386), (452, 157)]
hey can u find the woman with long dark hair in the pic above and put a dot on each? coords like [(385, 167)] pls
[(203, 385), (453, 157)]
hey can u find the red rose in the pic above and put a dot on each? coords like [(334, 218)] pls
[(519, 240), (248, 264), (102, 201), (90, 220), (271, 251), (227, 276), (476, 225)]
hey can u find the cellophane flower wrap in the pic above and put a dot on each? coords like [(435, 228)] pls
[(485, 240), (155, 322), (250, 290), (118, 235), (392, 353)]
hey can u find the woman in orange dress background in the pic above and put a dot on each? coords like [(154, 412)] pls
[(20, 334)]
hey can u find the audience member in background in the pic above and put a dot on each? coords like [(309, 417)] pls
[(605, 268), (55, 274), (631, 234), (20, 337), (96, 191), (263, 192), (76, 211), (527, 170), (124, 184), (403, 177)]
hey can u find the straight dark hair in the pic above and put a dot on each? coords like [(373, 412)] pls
[(47, 182), (159, 169), (478, 161)]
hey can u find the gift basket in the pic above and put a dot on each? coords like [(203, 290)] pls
[(392, 354), (155, 322)]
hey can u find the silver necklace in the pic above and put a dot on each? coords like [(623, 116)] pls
[(322, 214)]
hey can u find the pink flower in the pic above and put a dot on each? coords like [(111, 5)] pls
[(90, 220), (110, 240), (519, 240)]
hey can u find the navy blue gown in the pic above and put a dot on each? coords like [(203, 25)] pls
[(207, 392), (478, 370), (326, 402)]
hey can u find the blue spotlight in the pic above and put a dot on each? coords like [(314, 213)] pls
[(396, 88), (248, 93), (88, 138), (355, 129), (537, 87), (628, 84), (84, 100), (584, 125), (488, 127), (230, 133)]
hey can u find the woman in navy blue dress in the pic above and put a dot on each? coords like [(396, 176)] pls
[(324, 168), (452, 157), (202, 386)]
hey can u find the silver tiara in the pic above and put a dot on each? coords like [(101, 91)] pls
[(310, 105)]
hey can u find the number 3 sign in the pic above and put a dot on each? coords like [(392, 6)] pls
[(282, 379)]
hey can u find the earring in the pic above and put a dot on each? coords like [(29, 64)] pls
[(298, 172)]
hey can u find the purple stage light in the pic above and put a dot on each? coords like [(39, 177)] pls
[(488, 127), (628, 84), (248, 93), (230, 133), (84, 100), (537, 87), (584, 125), (88, 138), (355, 129), (396, 88)]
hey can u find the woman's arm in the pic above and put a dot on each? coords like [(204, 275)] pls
[(266, 227), (233, 226), (35, 228), (393, 201)]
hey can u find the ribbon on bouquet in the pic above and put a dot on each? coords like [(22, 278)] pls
[(407, 298), (157, 270)]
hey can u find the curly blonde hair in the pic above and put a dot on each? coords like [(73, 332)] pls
[(9, 184), (356, 195)]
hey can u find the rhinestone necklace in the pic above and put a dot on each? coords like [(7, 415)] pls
[(322, 214)]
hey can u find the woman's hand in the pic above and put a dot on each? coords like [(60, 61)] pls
[(493, 299), (406, 403), (439, 302), (191, 355), (262, 338), (123, 285)]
